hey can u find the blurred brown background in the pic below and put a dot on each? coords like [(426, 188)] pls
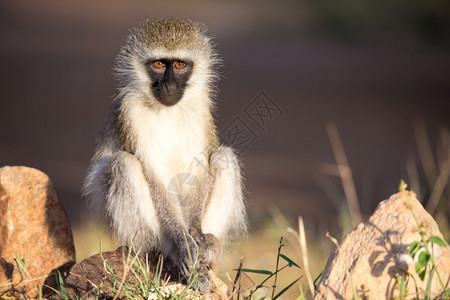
[(375, 69)]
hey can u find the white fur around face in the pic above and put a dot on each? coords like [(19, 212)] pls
[(138, 83)]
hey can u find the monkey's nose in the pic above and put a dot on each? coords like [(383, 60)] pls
[(170, 88)]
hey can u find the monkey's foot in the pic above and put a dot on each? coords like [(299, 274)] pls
[(203, 281), (187, 255)]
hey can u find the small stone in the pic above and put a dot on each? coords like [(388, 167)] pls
[(33, 227), (377, 252)]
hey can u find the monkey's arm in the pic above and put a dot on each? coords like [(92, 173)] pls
[(173, 226), (191, 245), (209, 245)]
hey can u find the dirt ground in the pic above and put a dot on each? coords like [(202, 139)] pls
[(56, 86)]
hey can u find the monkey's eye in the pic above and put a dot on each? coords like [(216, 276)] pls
[(180, 65), (158, 65)]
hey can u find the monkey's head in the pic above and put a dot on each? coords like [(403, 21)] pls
[(166, 61)]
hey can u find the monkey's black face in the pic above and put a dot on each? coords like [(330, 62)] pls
[(169, 78)]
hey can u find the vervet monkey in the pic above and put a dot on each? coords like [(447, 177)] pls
[(160, 178)]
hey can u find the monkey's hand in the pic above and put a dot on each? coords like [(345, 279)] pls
[(209, 251), (209, 247), (191, 262)]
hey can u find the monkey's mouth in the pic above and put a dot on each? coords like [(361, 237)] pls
[(168, 100), (167, 95)]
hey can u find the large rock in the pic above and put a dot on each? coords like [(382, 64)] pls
[(34, 227), (376, 252), (102, 275)]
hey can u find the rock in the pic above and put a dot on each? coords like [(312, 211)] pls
[(376, 252), (33, 226), (86, 277)]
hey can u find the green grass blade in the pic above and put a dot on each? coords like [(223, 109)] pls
[(266, 272), (286, 288), (141, 286), (290, 261), (317, 279), (54, 290), (430, 277), (61, 285), (20, 262), (302, 294)]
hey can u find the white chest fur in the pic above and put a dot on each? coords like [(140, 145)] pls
[(170, 140)]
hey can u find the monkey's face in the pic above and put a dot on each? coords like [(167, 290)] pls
[(167, 62), (169, 78)]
